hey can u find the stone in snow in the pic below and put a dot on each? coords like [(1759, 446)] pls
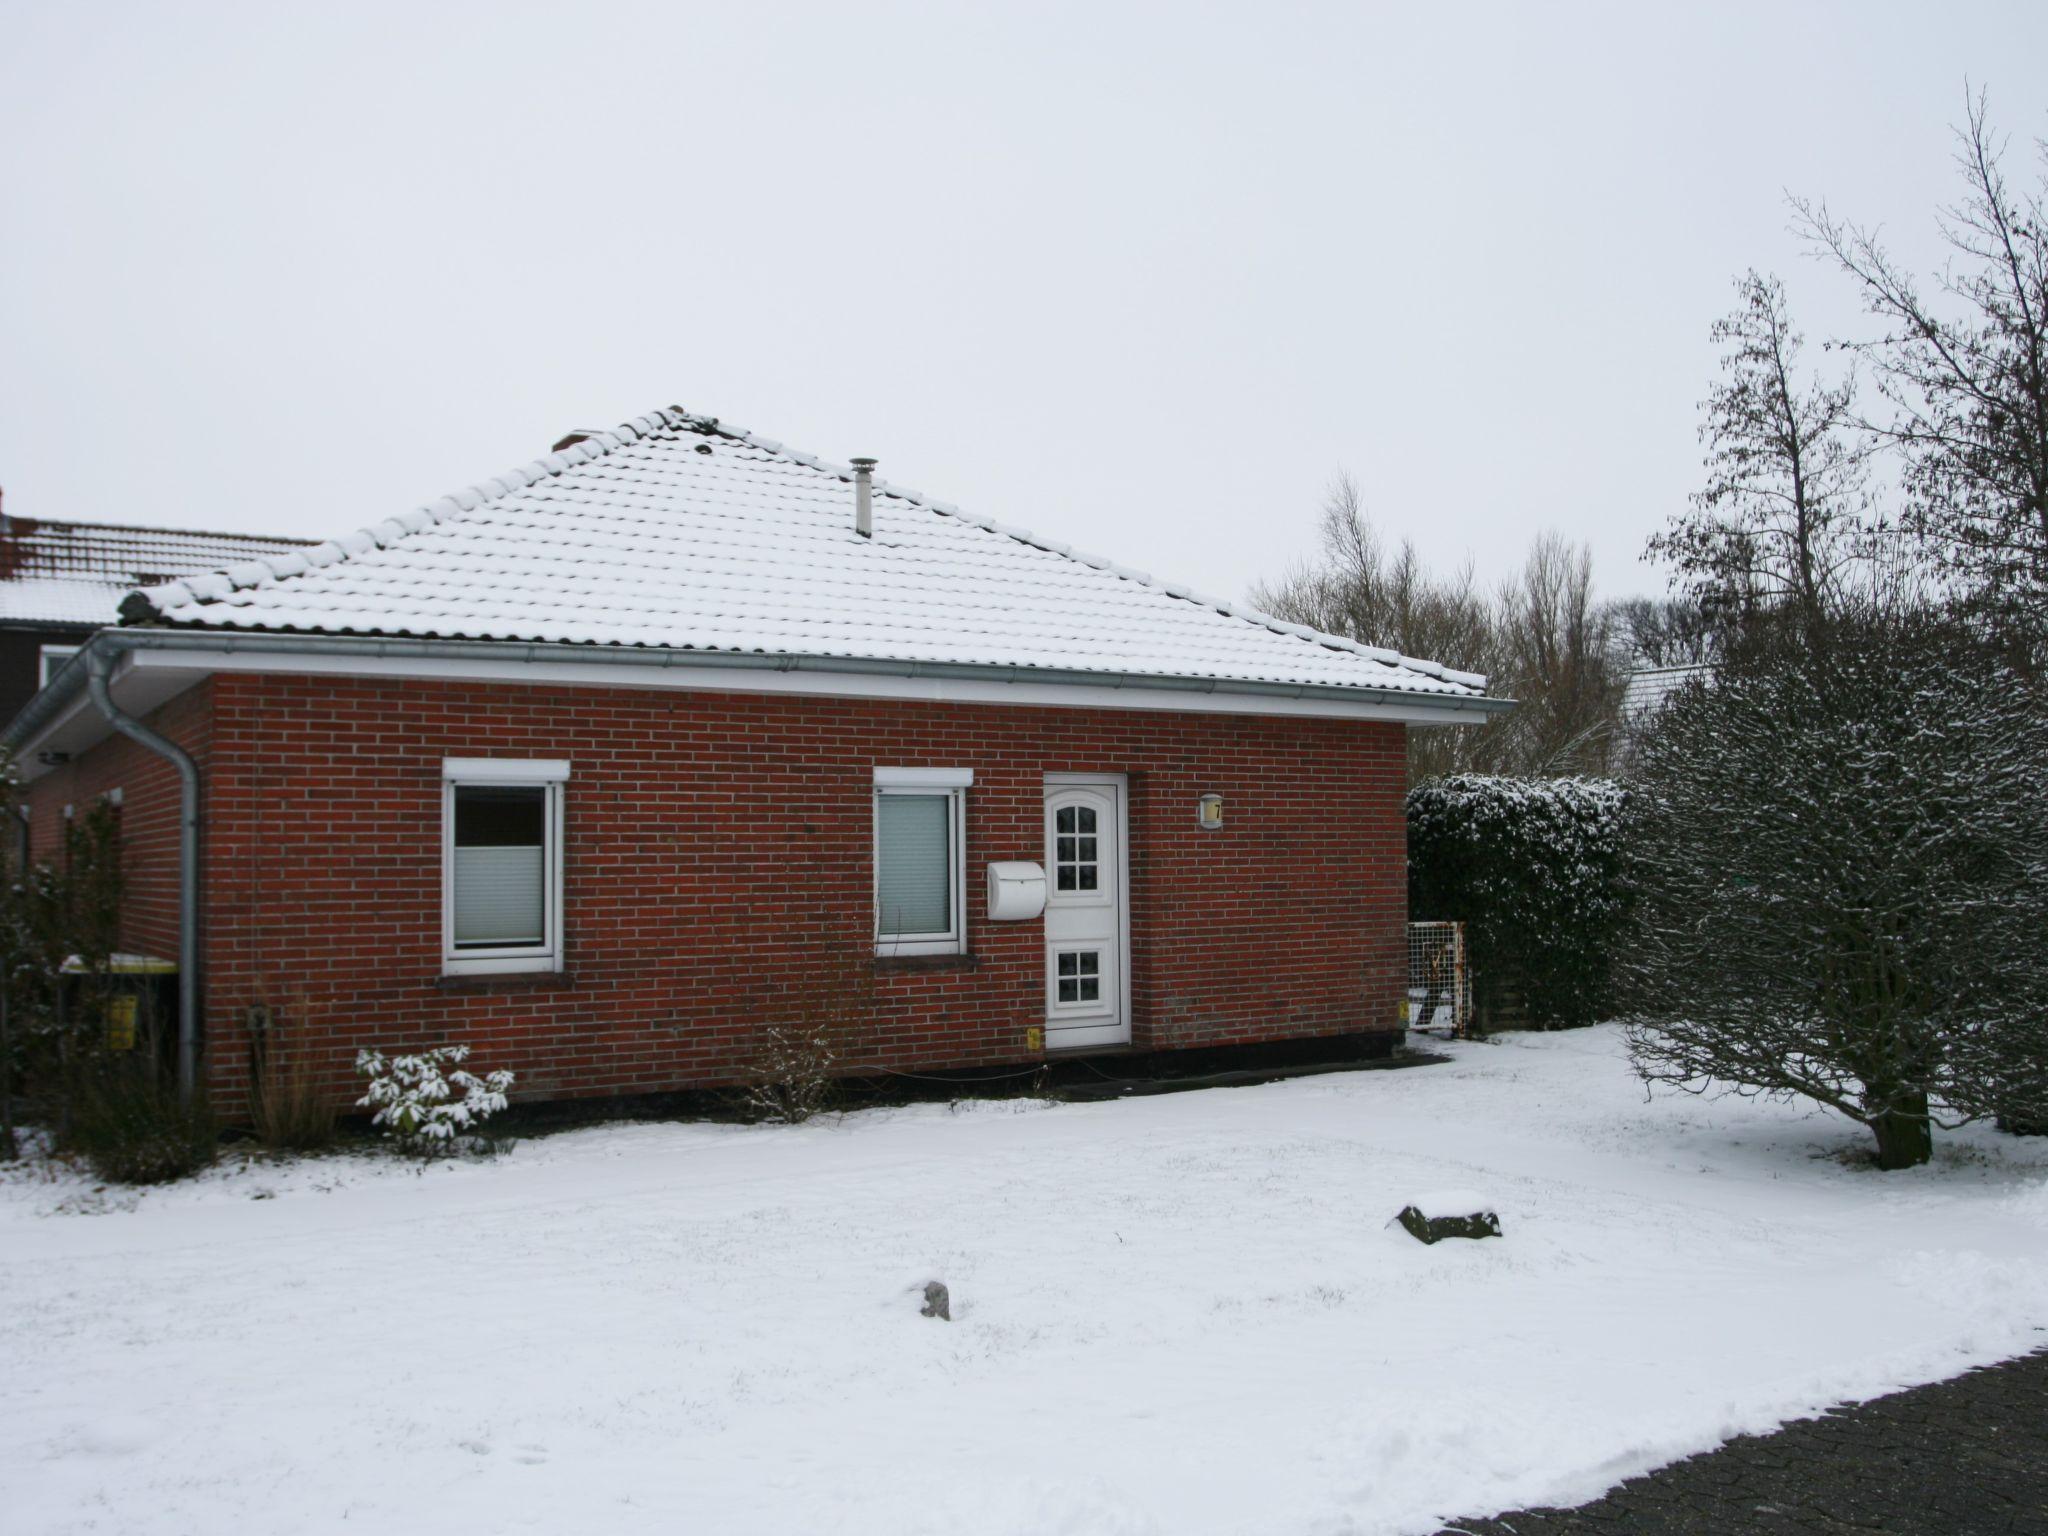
[(937, 1302), (1431, 1229)]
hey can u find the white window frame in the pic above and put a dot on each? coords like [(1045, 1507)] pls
[(550, 775), (59, 654), (953, 783)]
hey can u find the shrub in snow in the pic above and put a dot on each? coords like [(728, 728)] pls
[(415, 1098), (1840, 855), (289, 1109), (134, 1127), (794, 1067), (792, 1072), (1533, 868)]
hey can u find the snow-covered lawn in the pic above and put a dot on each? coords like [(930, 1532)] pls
[(1180, 1314)]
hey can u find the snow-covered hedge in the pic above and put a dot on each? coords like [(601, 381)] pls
[(1533, 867)]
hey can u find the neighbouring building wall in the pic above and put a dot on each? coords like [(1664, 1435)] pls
[(719, 855), (148, 815)]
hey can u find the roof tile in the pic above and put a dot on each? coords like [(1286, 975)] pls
[(75, 573)]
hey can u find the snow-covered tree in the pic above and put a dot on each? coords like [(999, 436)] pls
[(1840, 859)]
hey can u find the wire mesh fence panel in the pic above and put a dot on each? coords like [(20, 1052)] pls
[(1439, 982)]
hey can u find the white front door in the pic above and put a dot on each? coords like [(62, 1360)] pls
[(1086, 975)]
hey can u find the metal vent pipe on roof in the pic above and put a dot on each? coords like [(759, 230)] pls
[(864, 497)]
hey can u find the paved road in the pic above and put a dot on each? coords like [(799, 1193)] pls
[(1967, 1457)]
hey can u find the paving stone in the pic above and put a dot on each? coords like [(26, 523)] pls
[(1967, 1457)]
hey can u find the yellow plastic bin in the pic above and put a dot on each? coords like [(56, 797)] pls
[(136, 997)]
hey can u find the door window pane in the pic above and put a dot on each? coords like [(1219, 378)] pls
[(1076, 866), (914, 857), (500, 866), (1080, 976)]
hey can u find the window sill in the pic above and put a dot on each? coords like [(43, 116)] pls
[(506, 981), (885, 964)]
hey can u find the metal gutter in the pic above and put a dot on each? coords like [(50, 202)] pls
[(99, 668), (65, 687)]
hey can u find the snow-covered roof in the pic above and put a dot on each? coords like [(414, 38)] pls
[(76, 573), (678, 532)]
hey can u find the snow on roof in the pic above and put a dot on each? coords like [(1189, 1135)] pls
[(676, 531), (76, 573)]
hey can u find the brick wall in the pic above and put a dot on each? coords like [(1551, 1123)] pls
[(148, 815), (718, 856)]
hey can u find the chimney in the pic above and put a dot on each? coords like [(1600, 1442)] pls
[(864, 497)]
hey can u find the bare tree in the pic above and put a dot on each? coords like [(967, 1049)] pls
[(1662, 632), (1783, 517), (1540, 638), (1358, 588), (1963, 367), (1560, 662)]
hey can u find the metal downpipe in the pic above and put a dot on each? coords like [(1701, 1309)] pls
[(99, 663)]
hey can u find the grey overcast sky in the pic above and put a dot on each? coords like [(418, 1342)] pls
[(1139, 278)]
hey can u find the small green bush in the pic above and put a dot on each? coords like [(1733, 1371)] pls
[(1535, 870), (132, 1127), (415, 1104)]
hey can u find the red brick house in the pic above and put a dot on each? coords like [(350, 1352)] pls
[(598, 764)]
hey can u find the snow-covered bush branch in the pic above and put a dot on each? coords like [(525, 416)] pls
[(414, 1097)]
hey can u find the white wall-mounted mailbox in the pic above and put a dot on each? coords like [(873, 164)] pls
[(1016, 892)]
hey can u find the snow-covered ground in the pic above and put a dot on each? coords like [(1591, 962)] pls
[(1180, 1314)]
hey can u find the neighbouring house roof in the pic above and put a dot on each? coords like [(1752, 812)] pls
[(76, 573), (675, 531)]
